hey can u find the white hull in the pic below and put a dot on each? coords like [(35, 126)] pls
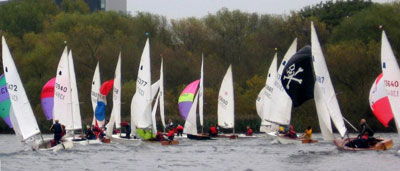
[(83, 141), (45, 145), (117, 138), (285, 140)]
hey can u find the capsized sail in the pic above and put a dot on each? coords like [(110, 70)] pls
[(23, 119), (47, 98), (379, 102), (391, 78), (5, 103), (226, 104), (298, 78), (185, 100)]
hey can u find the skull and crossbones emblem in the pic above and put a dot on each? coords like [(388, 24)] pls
[(291, 73)]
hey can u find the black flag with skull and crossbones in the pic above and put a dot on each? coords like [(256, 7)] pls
[(297, 77)]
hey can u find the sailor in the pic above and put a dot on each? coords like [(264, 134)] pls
[(249, 131), (213, 131), (159, 136), (57, 129), (308, 133), (171, 135), (179, 130), (291, 133), (171, 124), (128, 129), (365, 128), (89, 133)]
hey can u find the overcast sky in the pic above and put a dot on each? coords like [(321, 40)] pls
[(175, 9)]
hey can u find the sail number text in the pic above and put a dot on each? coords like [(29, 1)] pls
[(389, 83), (141, 82)]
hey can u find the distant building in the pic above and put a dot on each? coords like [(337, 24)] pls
[(104, 5)]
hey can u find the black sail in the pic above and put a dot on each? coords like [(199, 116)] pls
[(297, 76)]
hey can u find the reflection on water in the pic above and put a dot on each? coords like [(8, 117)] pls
[(221, 154)]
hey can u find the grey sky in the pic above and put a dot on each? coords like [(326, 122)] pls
[(175, 9)]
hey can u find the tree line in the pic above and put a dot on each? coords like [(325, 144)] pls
[(349, 32)]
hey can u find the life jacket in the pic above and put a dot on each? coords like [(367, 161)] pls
[(179, 128), (213, 130), (249, 132), (308, 133), (171, 133), (365, 137), (57, 128)]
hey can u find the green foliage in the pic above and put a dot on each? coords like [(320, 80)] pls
[(37, 32)]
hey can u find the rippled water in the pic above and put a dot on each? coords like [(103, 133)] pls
[(222, 154)]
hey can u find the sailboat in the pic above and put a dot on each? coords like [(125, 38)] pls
[(226, 105), (278, 111), (22, 118), (115, 118), (265, 97), (391, 79), (190, 127)]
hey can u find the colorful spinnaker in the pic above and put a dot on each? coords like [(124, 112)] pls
[(379, 102), (100, 112), (5, 103), (185, 100), (47, 98)]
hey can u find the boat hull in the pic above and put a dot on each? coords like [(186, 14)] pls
[(45, 145), (173, 142), (198, 137), (286, 140), (382, 144), (119, 139)]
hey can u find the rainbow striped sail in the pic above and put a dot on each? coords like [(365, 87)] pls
[(47, 98), (5, 103), (185, 100)]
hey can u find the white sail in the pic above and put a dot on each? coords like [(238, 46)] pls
[(141, 103), (190, 126), (76, 112), (226, 118), (267, 95), (162, 94), (324, 94), (281, 105), (259, 103), (22, 115), (116, 110), (391, 77), (62, 109), (153, 114), (96, 83), (154, 89), (201, 92)]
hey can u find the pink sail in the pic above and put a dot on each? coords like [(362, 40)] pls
[(185, 100), (47, 98), (379, 102)]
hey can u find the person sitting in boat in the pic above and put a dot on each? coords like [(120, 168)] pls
[(291, 133), (249, 131), (281, 130), (179, 130), (159, 136), (213, 131), (128, 129), (89, 133), (102, 133), (171, 135), (365, 128), (308, 133), (57, 129)]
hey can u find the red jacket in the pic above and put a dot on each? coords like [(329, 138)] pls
[(213, 130), (171, 133), (179, 128), (249, 132)]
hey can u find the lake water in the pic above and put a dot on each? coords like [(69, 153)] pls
[(222, 154)]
